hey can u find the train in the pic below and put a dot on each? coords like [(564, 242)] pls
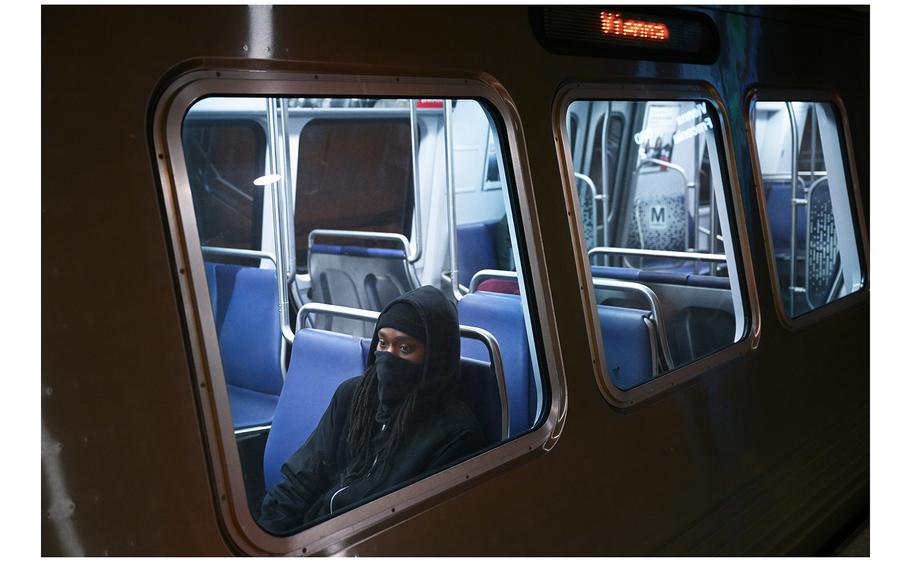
[(652, 222)]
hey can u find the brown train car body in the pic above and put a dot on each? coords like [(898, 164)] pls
[(765, 454)]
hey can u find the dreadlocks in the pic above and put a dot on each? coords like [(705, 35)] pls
[(363, 424)]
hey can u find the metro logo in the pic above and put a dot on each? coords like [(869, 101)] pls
[(658, 217), (612, 24)]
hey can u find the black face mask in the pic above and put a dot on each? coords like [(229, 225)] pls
[(397, 377)]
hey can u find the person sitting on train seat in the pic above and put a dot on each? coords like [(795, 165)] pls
[(396, 422)]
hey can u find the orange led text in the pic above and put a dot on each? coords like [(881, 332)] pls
[(612, 24)]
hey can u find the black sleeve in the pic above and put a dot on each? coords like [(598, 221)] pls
[(307, 474), (463, 444)]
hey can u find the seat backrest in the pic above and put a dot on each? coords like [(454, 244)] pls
[(477, 388), (476, 249), (778, 203), (502, 315), (660, 277), (823, 264), (628, 345), (357, 277), (660, 219), (246, 318), (659, 223), (500, 285), (720, 282), (320, 361), (617, 272)]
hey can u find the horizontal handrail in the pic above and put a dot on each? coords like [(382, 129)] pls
[(333, 310), (669, 165), (467, 331), (707, 233), (786, 176), (701, 256), (487, 274), (656, 311), (397, 237), (240, 253)]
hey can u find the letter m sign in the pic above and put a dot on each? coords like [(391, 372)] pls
[(658, 217)]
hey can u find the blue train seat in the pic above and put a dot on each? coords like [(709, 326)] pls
[(320, 361), (502, 315), (478, 389), (628, 345), (777, 202), (476, 249), (245, 306)]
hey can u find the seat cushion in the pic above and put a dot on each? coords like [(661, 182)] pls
[(251, 408)]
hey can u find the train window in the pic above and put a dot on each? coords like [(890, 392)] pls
[(805, 188), (222, 155), (656, 219), (361, 201)]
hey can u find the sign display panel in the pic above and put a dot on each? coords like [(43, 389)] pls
[(652, 33)]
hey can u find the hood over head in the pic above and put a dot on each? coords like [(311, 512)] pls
[(442, 343)]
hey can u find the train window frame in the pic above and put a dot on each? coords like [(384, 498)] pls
[(196, 79), (772, 94), (751, 334)]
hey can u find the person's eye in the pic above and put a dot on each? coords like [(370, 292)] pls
[(406, 348), (382, 343)]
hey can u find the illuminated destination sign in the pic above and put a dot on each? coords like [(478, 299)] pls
[(613, 24), (659, 33)]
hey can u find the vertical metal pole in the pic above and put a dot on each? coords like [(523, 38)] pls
[(278, 220), (813, 123), (417, 237), (288, 196), (450, 194), (793, 178), (604, 179), (690, 195), (712, 240)]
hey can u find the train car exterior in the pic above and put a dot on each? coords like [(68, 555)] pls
[(755, 446)]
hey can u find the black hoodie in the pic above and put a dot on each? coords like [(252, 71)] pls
[(315, 483)]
